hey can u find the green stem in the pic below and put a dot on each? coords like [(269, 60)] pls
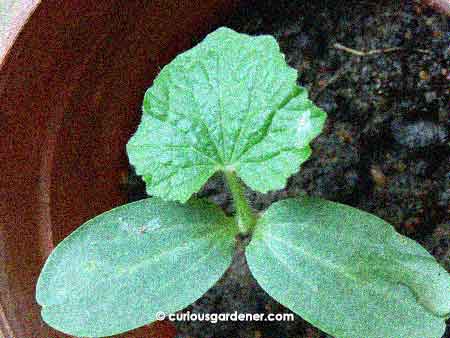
[(244, 214)]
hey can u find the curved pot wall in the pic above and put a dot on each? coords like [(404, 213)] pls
[(71, 88)]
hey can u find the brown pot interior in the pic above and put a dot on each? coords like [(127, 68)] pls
[(70, 94)]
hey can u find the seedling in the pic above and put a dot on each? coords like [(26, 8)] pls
[(232, 105)]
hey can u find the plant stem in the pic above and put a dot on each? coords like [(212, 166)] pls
[(244, 215)]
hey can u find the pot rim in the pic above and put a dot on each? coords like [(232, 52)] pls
[(17, 15)]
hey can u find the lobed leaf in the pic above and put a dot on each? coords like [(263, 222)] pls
[(230, 103), (348, 272), (117, 270)]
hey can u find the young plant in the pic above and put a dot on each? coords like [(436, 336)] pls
[(231, 104)]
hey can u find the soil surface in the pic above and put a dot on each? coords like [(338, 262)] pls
[(385, 148)]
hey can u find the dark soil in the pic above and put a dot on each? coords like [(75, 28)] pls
[(385, 148)]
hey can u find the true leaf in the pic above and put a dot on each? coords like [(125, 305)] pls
[(117, 270), (348, 272), (230, 103)]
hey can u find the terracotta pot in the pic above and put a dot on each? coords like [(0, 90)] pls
[(71, 87)]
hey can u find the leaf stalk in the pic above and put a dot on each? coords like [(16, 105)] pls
[(245, 218)]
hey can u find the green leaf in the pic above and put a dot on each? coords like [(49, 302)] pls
[(230, 103), (117, 270), (348, 272)]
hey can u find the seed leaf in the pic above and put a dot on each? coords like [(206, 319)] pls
[(230, 103), (117, 270), (348, 272)]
